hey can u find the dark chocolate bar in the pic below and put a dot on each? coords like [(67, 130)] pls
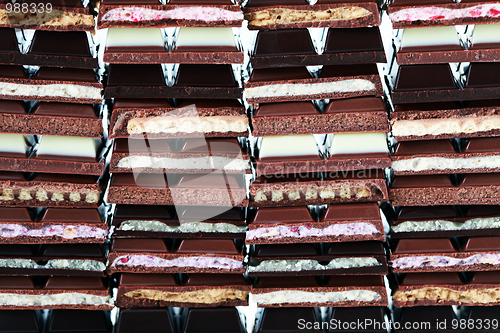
[(79, 321), (23, 293), (22, 321), (439, 319), (306, 291), (337, 187), (340, 223), (223, 319), (360, 258), (324, 13), (199, 290), (135, 320), (49, 190), (278, 320), (191, 256), (158, 119)]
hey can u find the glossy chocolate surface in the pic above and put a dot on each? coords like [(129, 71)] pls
[(352, 212), (279, 319), (135, 75), (14, 215), (216, 320), (286, 109), (207, 246), (424, 245), (348, 70), (350, 40), (283, 42), (65, 110), (143, 213), (280, 74), (136, 320), (141, 103), (423, 279), (66, 74), (360, 104), (20, 321), (12, 107), (483, 74), (79, 321), (421, 181), (364, 314), (421, 77), (482, 145), (58, 215), (74, 282), (427, 147), (9, 40), (282, 215), (215, 280), (139, 245), (67, 43), (148, 280), (194, 75)]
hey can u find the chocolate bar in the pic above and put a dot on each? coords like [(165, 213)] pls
[(410, 13), (444, 221), (192, 81), (476, 155), (52, 259), (224, 319), (296, 83), (79, 321), (294, 48), (440, 255), (371, 319), (341, 223), (190, 189), (134, 320), (447, 289), (54, 225), (445, 120), (191, 256), (299, 154), (23, 293), (470, 189), (57, 49), (58, 15), (306, 189), (177, 13), (179, 156), (440, 319), (193, 45), (194, 118), (360, 258), (27, 321), (51, 118), (57, 154), (49, 190), (363, 114), (50, 84), (279, 14), (305, 291), (199, 290), (278, 320), (192, 222)]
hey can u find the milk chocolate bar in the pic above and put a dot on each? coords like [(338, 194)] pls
[(50, 84), (54, 225), (191, 256), (198, 290), (362, 114), (446, 120), (65, 119), (179, 156), (58, 292), (279, 14), (150, 13), (52, 259), (440, 255), (306, 291), (445, 221), (470, 189), (410, 13), (337, 187), (189, 189), (476, 155), (192, 222), (361, 258), (49, 190), (294, 48), (340, 223), (58, 15), (157, 118), (481, 289), (296, 83)]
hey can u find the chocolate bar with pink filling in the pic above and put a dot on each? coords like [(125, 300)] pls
[(52, 259), (190, 256), (138, 221), (176, 13), (411, 13), (54, 225), (195, 291), (446, 255), (340, 223)]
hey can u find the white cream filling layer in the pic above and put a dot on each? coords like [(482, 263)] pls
[(52, 90), (188, 227), (80, 264), (296, 296), (444, 261), (441, 163), (467, 124), (312, 265), (479, 223), (203, 163), (198, 13), (440, 13), (344, 229), (171, 124), (275, 90), (54, 299)]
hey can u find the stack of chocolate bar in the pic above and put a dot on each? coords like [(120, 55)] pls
[(321, 128), (53, 226), (445, 192), (179, 162)]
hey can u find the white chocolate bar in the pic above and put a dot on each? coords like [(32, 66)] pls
[(288, 145), (67, 146), (429, 37), (189, 36), (359, 143), (134, 37), (13, 143)]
